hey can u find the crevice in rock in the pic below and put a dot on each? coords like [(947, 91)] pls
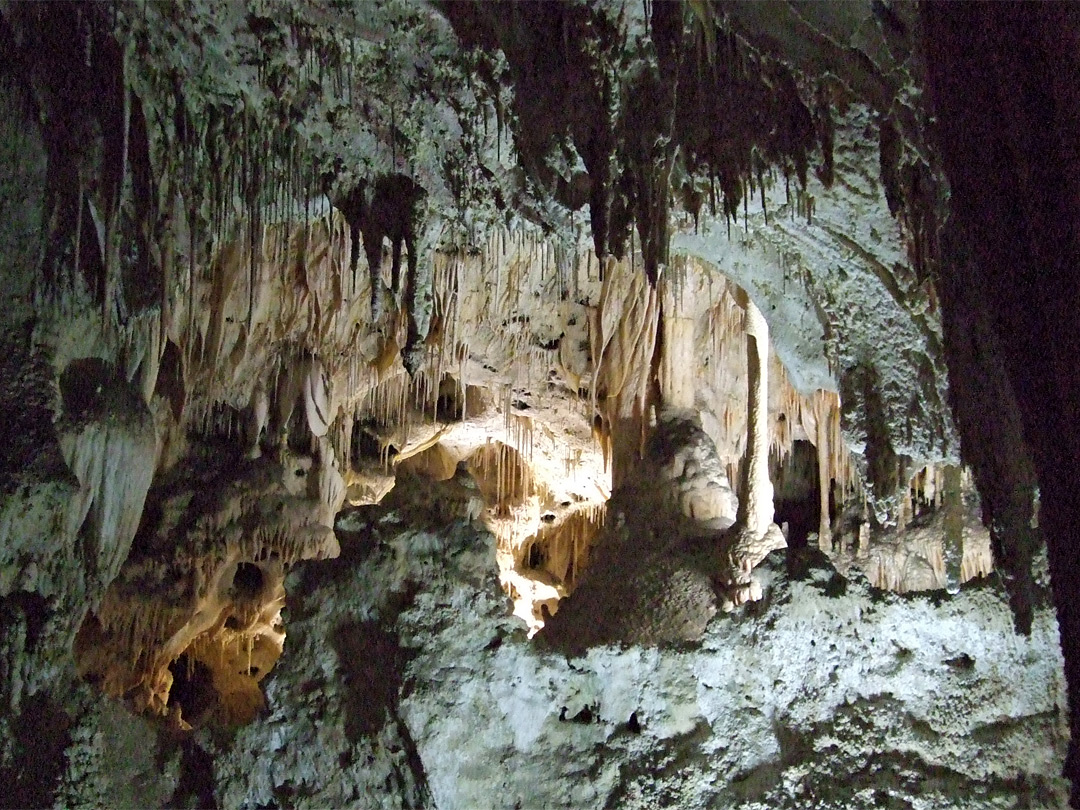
[(195, 787)]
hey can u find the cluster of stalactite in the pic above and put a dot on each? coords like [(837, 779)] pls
[(132, 153), (390, 212), (704, 117), (153, 174), (936, 534), (225, 168), (701, 117), (1003, 86), (97, 197), (200, 177)]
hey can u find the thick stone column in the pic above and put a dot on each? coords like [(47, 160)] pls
[(822, 414), (756, 508), (754, 534), (677, 373), (624, 334)]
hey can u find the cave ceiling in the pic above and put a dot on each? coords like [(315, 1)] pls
[(777, 142)]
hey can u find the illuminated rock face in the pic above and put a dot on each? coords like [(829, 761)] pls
[(587, 310), (192, 622)]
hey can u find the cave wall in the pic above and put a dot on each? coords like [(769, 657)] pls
[(407, 683)]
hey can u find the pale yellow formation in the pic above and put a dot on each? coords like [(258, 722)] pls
[(623, 333), (755, 534), (215, 600)]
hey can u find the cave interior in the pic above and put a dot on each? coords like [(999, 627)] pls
[(570, 403)]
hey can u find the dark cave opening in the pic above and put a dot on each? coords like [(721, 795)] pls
[(299, 439), (536, 556), (454, 402), (363, 444), (451, 403), (366, 446), (248, 581), (192, 689), (796, 500)]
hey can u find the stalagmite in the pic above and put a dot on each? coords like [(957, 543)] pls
[(756, 510), (754, 534)]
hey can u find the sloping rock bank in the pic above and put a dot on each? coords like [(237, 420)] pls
[(407, 684)]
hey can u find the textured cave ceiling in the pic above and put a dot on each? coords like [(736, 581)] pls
[(644, 292)]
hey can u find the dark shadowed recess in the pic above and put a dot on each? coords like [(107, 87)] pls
[(373, 663), (1005, 81), (41, 737)]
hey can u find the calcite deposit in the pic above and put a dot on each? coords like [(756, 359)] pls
[(597, 403)]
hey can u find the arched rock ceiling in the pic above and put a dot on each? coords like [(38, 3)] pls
[(578, 119)]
